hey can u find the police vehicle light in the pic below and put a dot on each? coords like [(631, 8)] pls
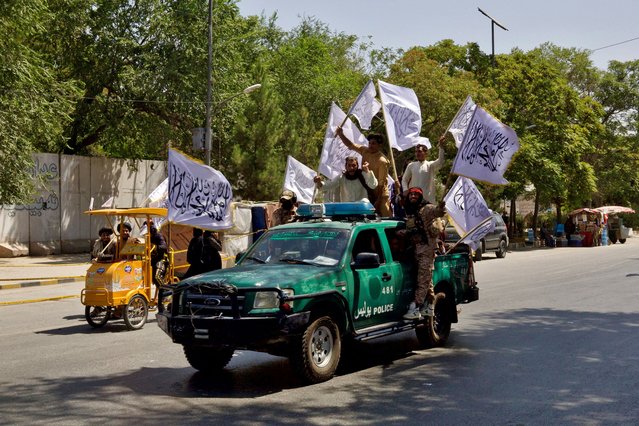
[(357, 208)]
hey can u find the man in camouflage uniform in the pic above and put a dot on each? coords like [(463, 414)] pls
[(423, 227), (285, 213)]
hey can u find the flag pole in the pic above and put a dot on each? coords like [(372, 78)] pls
[(476, 227), (390, 148)]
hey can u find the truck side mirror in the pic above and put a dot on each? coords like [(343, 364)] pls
[(366, 261)]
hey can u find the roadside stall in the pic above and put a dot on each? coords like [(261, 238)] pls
[(587, 227), (616, 229)]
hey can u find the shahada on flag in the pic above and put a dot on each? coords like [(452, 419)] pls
[(486, 150), (199, 195)]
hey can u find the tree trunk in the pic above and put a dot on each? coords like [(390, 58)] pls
[(535, 215)]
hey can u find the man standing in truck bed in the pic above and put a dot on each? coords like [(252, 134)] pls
[(377, 163)]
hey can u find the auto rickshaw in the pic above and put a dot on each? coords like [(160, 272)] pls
[(120, 286)]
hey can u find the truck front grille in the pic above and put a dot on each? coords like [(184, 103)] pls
[(212, 301)]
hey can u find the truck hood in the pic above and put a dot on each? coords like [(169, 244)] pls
[(280, 275)]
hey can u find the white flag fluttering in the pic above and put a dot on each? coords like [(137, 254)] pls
[(199, 195), (299, 179), (403, 116), (467, 209), (486, 150), (108, 204), (365, 106), (458, 126), (334, 152), (158, 197)]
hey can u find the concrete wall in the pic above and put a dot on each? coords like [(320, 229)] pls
[(55, 221)]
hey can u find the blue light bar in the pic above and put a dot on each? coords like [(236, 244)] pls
[(357, 208)]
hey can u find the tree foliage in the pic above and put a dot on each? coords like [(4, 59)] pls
[(124, 79)]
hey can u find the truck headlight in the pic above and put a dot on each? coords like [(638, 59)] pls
[(269, 299)]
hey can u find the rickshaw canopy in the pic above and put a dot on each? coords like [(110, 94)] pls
[(132, 212)]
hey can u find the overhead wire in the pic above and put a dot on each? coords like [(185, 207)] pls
[(614, 44)]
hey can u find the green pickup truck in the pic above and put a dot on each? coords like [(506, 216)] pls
[(304, 288)]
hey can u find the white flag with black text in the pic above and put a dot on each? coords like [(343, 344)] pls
[(486, 150), (365, 106), (467, 209), (403, 116), (334, 152), (460, 122), (199, 195), (299, 179)]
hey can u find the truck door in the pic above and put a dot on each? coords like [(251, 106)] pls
[(374, 295)]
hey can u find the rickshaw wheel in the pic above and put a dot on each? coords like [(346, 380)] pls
[(136, 312), (97, 316)]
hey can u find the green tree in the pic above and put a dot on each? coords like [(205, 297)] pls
[(35, 102)]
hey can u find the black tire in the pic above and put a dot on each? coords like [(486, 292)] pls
[(436, 329), (208, 360), (622, 240), (136, 312), (315, 355), (97, 316), (503, 248)]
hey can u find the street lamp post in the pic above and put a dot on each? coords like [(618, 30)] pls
[(219, 105), (493, 22), (207, 125)]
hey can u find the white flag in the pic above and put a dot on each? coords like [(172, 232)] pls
[(334, 152), (108, 204), (486, 150), (199, 195), (365, 106), (403, 116), (467, 209), (458, 126), (299, 179), (158, 197)]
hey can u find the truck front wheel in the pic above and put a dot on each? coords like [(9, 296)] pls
[(207, 360), (435, 331), (315, 355)]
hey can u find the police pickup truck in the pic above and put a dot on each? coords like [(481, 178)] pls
[(304, 288)]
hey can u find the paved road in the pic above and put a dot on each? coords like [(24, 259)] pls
[(554, 339)]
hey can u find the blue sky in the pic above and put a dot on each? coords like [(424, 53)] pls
[(585, 24)]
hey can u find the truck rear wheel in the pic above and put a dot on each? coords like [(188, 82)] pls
[(435, 331), (315, 355), (208, 360)]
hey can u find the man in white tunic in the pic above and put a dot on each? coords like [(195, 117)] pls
[(350, 185), (421, 173)]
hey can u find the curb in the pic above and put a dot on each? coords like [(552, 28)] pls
[(53, 281)]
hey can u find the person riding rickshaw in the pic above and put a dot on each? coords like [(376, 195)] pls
[(125, 276)]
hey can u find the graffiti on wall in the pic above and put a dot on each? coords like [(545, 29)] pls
[(45, 172)]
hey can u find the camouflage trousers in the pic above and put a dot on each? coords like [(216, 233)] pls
[(425, 257)]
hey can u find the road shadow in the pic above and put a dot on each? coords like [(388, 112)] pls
[(588, 376), (112, 326)]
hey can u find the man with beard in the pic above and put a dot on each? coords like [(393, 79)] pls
[(423, 226), (352, 184), (378, 164)]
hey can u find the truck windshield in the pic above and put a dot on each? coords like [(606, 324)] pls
[(320, 247)]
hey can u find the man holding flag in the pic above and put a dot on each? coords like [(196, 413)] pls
[(378, 164)]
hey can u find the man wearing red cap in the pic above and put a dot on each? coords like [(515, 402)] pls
[(423, 227)]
